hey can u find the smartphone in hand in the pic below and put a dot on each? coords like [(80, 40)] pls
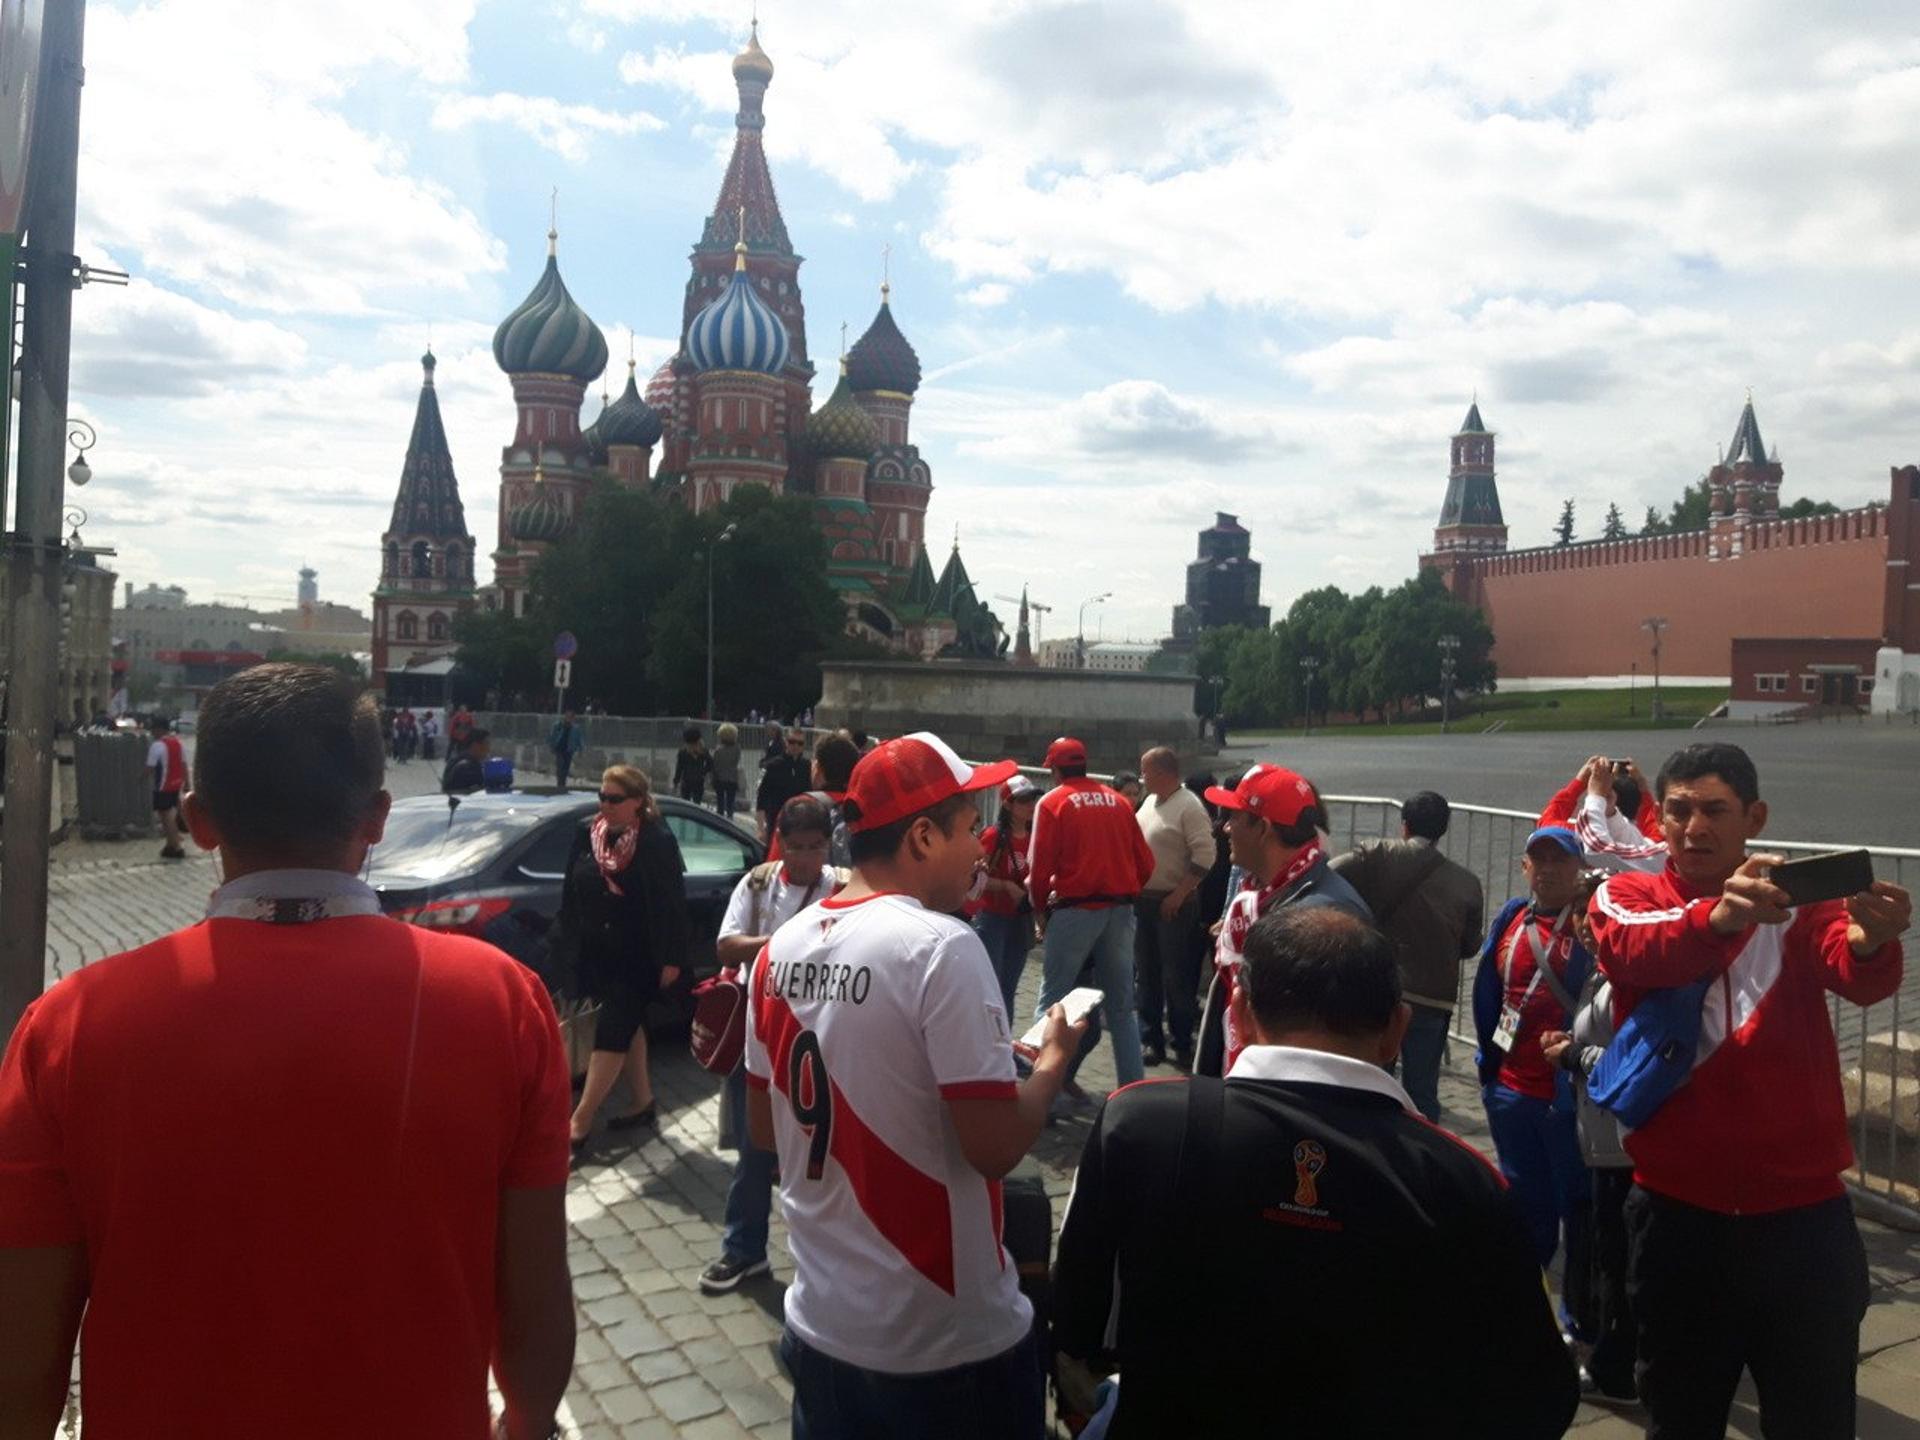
[(1078, 1003), (1824, 877)]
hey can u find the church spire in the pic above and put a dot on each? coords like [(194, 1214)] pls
[(428, 504), (748, 184)]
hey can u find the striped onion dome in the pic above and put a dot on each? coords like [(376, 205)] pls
[(660, 388), (629, 420), (549, 334), (840, 429), (738, 330), (541, 518), (882, 359)]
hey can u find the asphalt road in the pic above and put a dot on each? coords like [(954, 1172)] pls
[(1855, 783)]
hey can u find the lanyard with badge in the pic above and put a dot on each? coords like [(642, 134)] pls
[(1507, 1029)]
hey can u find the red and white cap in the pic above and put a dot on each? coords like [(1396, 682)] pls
[(1065, 751), (1271, 792), (904, 776)]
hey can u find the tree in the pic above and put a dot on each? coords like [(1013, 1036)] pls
[(1806, 507), (1614, 527), (500, 655), (1653, 524), (1563, 527)]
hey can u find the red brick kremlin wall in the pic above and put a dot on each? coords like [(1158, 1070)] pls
[(1576, 611)]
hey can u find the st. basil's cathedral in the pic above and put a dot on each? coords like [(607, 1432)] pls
[(734, 406)]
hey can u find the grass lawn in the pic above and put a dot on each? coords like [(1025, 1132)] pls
[(1547, 710)]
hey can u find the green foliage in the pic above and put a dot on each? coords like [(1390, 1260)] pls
[(1694, 509), (1653, 524), (1563, 527), (630, 582), (1806, 507), (1376, 652), (1614, 527)]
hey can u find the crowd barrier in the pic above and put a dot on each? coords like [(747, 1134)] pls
[(646, 741)]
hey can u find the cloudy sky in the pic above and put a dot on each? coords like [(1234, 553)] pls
[(1158, 258)]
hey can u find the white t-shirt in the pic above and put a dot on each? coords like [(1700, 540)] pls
[(763, 911), (865, 1018)]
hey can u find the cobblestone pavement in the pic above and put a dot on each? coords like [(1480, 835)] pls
[(657, 1359)]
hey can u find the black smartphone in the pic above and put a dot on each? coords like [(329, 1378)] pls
[(1620, 767), (1824, 877)]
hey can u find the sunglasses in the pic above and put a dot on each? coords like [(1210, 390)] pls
[(608, 797)]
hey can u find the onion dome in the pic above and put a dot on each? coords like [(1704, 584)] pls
[(541, 518), (753, 61), (882, 359), (840, 429), (549, 334), (629, 420), (738, 330), (590, 434), (660, 388)]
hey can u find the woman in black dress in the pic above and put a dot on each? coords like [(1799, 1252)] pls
[(623, 910)]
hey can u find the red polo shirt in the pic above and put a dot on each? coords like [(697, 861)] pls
[(1086, 846), (283, 1148)]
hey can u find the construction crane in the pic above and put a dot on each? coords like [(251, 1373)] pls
[(1035, 606)]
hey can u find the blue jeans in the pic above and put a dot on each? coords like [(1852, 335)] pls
[(1539, 1150), (750, 1192), (1076, 934), (1420, 1056), (1166, 971), (1003, 1396), (1008, 939)]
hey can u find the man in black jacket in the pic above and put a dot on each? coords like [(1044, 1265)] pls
[(781, 778), (1268, 1250)]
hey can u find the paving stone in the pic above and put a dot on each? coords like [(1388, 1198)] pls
[(708, 1350), (659, 1366), (650, 1279), (691, 1326), (687, 1398), (589, 1345), (600, 1375), (715, 1427), (597, 1285), (781, 1430), (663, 1304), (636, 1337), (627, 1404), (749, 1327), (1889, 1323), (614, 1309)]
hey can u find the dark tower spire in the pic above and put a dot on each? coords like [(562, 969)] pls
[(1470, 518)]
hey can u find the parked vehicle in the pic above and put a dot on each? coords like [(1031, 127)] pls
[(491, 865)]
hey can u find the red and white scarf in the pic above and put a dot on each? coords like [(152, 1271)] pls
[(1233, 939), (612, 852)]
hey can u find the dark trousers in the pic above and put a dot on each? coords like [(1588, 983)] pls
[(1781, 1295), (726, 795), (562, 767), (1597, 1295), (1166, 974), (1000, 1398)]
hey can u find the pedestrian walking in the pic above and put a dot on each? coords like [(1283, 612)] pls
[(879, 1065), (1087, 864), (1245, 1249), (829, 774), (466, 769), (726, 769), (1178, 831), (691, 765), (622, 928), (167, 765), (1276, 831), (566, 738), (766, 898), (1743, 1252), (1434, 912), (1003, 913), (782, 777), (399, 1093), (429, 735), (1530, 971), (460, 728)]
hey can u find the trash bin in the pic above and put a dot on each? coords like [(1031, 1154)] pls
[(114, 794)]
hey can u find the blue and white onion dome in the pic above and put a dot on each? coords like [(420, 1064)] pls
[(549, 334), (738, 330)]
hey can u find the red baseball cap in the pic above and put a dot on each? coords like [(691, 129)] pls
[(1065, 751), (904, 776), (1270, 792)]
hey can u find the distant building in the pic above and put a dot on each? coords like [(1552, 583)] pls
[(1123, 656), (1223, 584), (84, 682), (176, 651)]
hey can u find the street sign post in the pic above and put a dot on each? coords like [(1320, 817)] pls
[(562, 674), (565, 647)]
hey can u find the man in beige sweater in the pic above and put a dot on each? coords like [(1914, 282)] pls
[(1165, 958)]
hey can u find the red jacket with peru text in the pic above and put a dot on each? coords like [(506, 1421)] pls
[(1760, 1125), (1086, 846)]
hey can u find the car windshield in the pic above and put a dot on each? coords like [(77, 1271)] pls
[(423, 845)]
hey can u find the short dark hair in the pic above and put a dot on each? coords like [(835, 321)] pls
[(1308, 823), (1320, 968), (1626, 796), (803, 813), (158, 725), (1426, 814), (860, 738), (1124, 778), (289, 759), (836, 755), (1072, 772), (883, 841), (478, 735), (690, 734), (1695, 762)]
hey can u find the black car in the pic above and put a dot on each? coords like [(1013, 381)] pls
[(490, 865)]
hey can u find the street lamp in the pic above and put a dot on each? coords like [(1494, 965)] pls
[(1309, 664), (1449, 649), (1080, 643), (724, 536), (1655, 625), (84, 439)]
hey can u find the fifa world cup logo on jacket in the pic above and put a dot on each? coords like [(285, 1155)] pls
[(1309, 1159)]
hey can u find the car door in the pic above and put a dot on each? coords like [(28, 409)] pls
[(532, 877), (716, 856)]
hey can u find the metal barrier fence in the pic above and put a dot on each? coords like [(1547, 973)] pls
[(647, 741), (1880, 1063)]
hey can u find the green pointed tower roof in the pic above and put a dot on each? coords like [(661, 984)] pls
[(953, 595)]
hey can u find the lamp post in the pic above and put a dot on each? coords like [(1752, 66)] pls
[(1309, 664), (1633, 679), (1655, 625), (1449, 649), (719, 540), (1080, 641)]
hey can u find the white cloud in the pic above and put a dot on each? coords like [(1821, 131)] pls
[(566, 130), (143, 340), (988, 295)]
